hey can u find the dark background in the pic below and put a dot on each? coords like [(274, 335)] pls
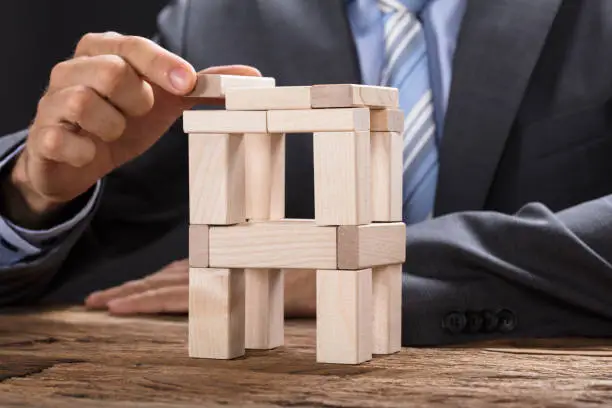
[(37, 34)]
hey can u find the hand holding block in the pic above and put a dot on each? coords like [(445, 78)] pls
[(348, 96), (216, 86)]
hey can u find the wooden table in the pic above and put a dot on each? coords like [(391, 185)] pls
[(75, 358)]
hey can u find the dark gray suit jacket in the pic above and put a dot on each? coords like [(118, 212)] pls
[(522, 245)]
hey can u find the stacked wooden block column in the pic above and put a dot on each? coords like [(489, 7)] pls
[(241, 244)]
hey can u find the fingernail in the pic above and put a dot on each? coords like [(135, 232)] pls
[(179, 77)]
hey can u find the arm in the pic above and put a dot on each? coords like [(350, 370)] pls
[(478, 276)]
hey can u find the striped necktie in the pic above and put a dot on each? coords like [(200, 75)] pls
[(406, 67)]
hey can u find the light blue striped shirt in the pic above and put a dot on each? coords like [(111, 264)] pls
[(441, 24)]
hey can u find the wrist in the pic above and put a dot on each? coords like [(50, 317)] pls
[(21, 203)]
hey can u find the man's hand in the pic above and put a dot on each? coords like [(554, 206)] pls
[(104, 107), (167, 291)]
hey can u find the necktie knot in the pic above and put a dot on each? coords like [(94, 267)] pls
[(403, 6)]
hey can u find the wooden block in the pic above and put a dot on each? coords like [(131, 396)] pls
[(216, 86), (198, 246), (344, 316), (387, 309), (265, 176), (387, 172), (220, 121), (274, 245), (265, 311), (348, 95), (387, 120), (319, 120), (216, 179), (287, 97), (371, 245), (342, 178), (216, 313)]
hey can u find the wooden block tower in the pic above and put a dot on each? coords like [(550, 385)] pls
[(241, 243)]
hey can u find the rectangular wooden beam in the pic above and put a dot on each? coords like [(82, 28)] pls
[(216, 313), (265, 176), (344, 316), (387, 120), (349, 95), (198, 246), (319, 120), (287, 97), (342, 178), (371, 245), (216, 86), (221, 121), (387, 308), (216, 179), (387, 173), (273, 245), (265, 311)]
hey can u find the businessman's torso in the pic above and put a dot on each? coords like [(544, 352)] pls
[(528, 120)]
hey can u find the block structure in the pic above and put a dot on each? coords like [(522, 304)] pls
[(241, 244)]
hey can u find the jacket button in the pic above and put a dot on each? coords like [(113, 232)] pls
[(490, 321), (507, 321), (474, 322), (454, 322)]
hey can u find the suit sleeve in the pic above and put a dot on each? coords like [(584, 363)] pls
[(480, 276), (26, 279)]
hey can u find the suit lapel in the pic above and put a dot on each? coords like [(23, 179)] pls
[(499, 44)]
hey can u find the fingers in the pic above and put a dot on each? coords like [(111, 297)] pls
[(150, 60), (172, 299), (59, 144), (111, 77), (83, 107), (162, 279), (244, 70)]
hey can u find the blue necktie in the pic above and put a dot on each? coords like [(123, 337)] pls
[(406, 67)]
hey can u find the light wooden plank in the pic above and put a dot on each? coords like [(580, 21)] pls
[(387, 173), (273, 245), (350, 95), (387, 120), (216, 313), (216, 179), (318, 120), (342, 178), (286, 97), (265, 311), (371, 245), (265, 176), (387, 309), (221, 121), (198, 246), (217, 86), (344, 316)]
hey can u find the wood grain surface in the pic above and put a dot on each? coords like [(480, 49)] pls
[(73, 358)]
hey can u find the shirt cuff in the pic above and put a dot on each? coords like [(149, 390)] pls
[(16, 241)]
